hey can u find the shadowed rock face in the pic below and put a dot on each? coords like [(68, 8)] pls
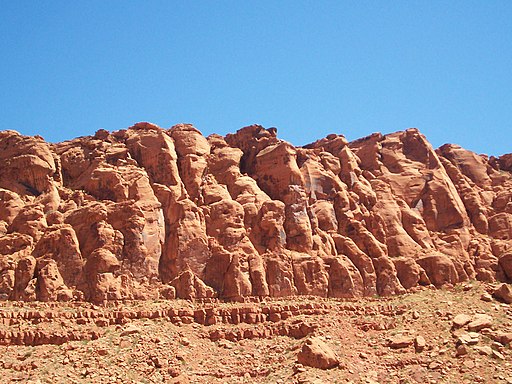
[(139, 212)]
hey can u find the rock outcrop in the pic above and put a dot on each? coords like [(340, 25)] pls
[(147, 212)]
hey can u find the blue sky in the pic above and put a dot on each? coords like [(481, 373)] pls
[(309, 68)]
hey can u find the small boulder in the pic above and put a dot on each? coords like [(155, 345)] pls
[(505, 338), (485, 350), (419, 343), (400, 341), (469, 338), (501, 337), (461, 350), (315, 353), (480, 321), (486, 297), (504, 293), (461, 320), (130, 330)]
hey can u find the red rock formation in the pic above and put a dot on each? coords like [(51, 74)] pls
[(145, 211)]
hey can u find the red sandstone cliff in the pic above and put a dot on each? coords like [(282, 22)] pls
[(147, 212)]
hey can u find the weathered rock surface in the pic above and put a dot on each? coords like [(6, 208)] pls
[(146, 212), (316, 353), (504, 293), (461, 320)]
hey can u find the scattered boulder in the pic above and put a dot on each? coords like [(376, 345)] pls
[(479, 322), (130, 330), (468, 338), (486, 297), (504, 338), (317, 354), (400, 341), (461, 350), (484, 350), (461, 320), (419, 343), (504, 293)]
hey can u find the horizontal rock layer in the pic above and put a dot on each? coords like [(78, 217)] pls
[(35, 326), (146, 213)]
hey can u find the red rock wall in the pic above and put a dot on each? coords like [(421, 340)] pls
[(146, 212)]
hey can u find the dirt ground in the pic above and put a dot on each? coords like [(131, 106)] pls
[(402, 339)]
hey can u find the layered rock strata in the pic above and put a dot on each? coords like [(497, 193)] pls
[(146, 212)]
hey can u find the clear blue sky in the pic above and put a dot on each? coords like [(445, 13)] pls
[(309, 68)]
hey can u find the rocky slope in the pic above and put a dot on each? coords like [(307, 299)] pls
[(145, 212), (459, 335)]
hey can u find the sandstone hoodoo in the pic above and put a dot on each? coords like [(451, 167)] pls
[(146, 212)]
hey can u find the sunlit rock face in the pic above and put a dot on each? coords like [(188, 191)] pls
[(142, 211)]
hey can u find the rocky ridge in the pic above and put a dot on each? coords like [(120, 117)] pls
[(147, 213)]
